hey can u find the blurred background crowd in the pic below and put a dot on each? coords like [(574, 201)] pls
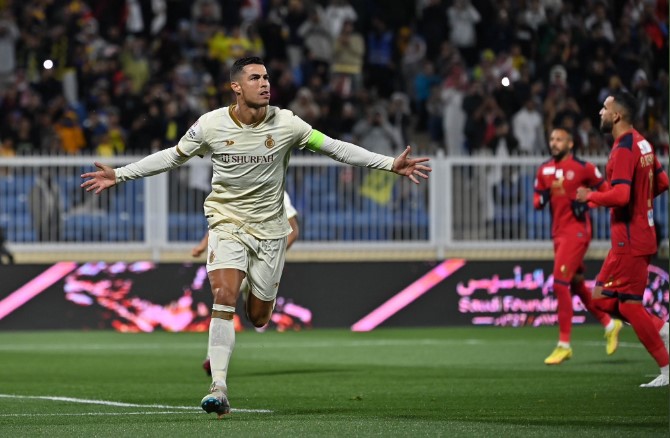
[(466, 77)]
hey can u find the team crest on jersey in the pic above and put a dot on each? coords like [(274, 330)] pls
[(269, 142), (570, 175)]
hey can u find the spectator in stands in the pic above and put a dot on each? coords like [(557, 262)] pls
[(433, 28), (528, 129), (435, 114), (399, 116), (345, 121), (336, 14), (26, 140), (500, 194), (381, 68), (347, 62), (412, 60), (463, 17), (46, 207), (535, 15), (135, 63), (110, 52), (318, 42), (376, 134), (69, 132), (453, 113), (9, 35), (581, 137), (5, 254), (285, 89), (291, 19), (599, 18), (423, 84), (305, 107), (503, 143)]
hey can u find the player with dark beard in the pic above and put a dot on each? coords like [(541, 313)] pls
[(636, 178), (556, 184)]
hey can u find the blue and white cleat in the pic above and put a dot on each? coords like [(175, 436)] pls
[(216, 401)]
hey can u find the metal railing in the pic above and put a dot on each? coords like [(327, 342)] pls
[(469, 203)]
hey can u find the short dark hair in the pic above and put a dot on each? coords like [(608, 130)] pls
[(564, 129), (628, 104), (239, 65)]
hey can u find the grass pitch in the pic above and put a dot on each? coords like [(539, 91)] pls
[(390, 382)]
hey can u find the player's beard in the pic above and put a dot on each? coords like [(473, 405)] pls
[(558, 156), (606, 126)]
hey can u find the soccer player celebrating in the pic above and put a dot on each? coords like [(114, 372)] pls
[(556, 184), (250, 142), (636, 177)]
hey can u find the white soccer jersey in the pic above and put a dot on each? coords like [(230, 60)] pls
[(249, 164)]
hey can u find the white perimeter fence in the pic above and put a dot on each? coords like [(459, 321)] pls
[(469, 203)]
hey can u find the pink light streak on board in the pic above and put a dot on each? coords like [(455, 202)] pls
[(403, 298), (35, 287)]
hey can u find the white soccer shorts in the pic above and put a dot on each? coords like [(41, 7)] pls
[(262, 260)]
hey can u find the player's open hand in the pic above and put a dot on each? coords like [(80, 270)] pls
[(99, 180), (411, 167)]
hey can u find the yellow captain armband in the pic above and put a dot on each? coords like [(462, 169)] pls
[(316, 140)]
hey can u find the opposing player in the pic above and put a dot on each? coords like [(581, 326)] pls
[(250, 142), (636, 177), (556, 184), (292, 215)]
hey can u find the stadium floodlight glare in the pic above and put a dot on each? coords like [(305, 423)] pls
[(48, 64)]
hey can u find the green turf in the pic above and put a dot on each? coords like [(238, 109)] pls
[(447, 382)]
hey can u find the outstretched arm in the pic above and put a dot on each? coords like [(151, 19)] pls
[(153, 164), (357, 156)]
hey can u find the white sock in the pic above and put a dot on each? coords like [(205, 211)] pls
[(564, 344), (610, 326), (665, 330), (664, 371), (220, 347)]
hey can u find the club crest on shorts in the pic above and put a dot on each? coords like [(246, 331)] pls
[(211, 256), (269, 141)]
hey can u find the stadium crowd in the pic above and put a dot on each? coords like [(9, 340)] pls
[(115, 77)]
